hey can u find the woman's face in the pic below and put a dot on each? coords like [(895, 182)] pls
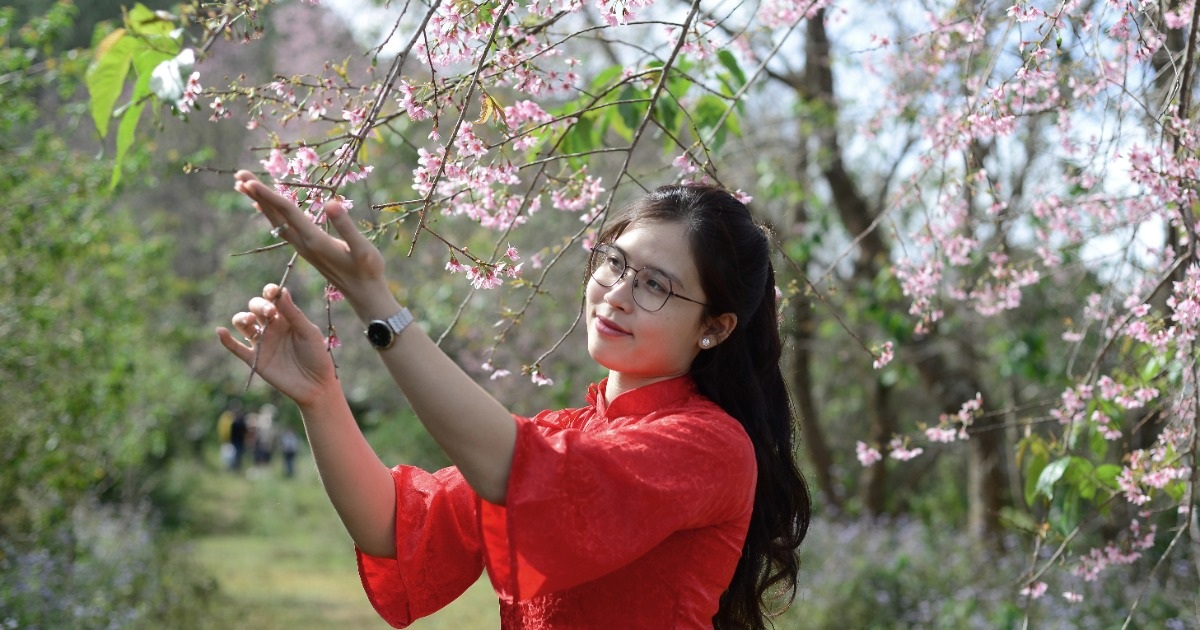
[(640, 347)]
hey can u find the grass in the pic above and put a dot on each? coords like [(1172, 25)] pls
[(281, 559)]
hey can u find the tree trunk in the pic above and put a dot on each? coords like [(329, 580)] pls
[(799, 373), (883, 427), (950, 387)]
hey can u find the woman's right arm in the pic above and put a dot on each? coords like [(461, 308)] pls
[(292, 357)]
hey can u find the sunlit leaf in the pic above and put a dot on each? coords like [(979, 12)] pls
[(1050, 476)]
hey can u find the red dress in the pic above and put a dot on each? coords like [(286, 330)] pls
[(623, 515)]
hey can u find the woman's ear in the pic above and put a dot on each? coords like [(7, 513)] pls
[(720, 327)]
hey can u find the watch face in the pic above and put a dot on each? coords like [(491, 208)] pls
[(379, 334)]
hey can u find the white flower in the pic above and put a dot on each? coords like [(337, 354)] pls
[(167, 80)]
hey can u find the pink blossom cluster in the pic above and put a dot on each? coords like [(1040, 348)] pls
[(1035, 590), (547, 8), (482, 275), (219, 111), (1152, 469), (685, 163), (921, 282), (522, 113), (785, 13), (407, 99), (1160, 174), (884, 356), (515, 67), (617, 12), (580, 195), (1072, 405), (698, 43), (954, 427), (470, 188), (454, 37), (1097, 560), (539, 378), (867, 456), (1184, 303), (191, 91), (898, 448), (1003, 291)]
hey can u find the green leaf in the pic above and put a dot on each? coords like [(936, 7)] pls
[(125, 136), (1098, 443), (631, 113), (1037, 463), (707, 113), (668, 114), (678, 85), (1018, 519), (1107, 474), (106, 76), (1050, 476), (1176, 489), (145, 22), (1151, 369), (1069, 512), (606, 76), (735, 71)]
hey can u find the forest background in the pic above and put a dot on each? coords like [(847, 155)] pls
[(985, 216)]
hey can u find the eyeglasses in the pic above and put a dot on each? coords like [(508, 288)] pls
[(651, 287)]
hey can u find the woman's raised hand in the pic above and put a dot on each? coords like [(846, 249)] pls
[(292, 355), (351, 263)]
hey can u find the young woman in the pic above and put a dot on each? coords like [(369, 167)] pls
[(670, 500)]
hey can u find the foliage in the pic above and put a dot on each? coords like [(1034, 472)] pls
[(91, 389), (905, 574)]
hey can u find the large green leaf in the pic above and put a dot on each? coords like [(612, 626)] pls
[(1037, 463), (125, 136), (735, 71), (707, 114), (630, 113), (1050, 476), (1107, 474), (106, 76)]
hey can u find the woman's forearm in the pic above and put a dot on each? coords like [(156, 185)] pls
[(476, 432), (359, 485)]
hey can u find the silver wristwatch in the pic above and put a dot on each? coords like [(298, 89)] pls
[(382, 332)]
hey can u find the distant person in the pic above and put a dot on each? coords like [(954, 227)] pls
[(671, 499), (264, 435), (289, 444), (238, 431)]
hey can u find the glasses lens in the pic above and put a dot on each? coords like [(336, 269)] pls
[(607, 265), (651, 289)]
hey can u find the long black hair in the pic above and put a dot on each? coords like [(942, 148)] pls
[(742, 375)]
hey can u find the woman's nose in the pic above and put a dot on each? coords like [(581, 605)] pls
[(620, 294)]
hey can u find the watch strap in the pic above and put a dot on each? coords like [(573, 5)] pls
[(400, 321)]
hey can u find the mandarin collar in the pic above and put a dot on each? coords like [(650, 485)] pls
[(642, 400)]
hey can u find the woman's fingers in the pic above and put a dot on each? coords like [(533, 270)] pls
[(340, 218), (239, 349), (296, 319), (279, 210), (247, 325), (326, 253)]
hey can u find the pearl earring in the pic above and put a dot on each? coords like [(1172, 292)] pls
[(705, 342)]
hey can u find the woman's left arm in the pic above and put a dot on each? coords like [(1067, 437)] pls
[(473, 428)]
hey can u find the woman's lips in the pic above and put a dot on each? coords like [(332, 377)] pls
[(607, 326)]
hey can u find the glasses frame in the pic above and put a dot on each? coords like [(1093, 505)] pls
[(592, 266)]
